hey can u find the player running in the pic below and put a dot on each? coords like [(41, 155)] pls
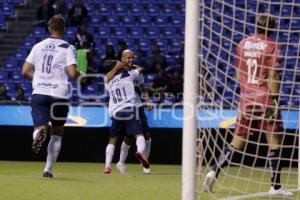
[(257, 67), (48, 66)]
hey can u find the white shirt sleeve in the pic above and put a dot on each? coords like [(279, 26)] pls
[(135, 74), (30, 58), (141, 78), (71, 56)]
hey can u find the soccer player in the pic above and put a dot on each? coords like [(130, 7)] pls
[(257, 67), (141, 100), (122, 110), (48, 66)]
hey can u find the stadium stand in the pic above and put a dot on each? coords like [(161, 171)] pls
[(142, 24)]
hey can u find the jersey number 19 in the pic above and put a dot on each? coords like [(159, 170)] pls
[(46, 67)]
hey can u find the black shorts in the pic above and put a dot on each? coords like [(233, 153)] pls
[(47, 109), (144, 120), (127, 122)]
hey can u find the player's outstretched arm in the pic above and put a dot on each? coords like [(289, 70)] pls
[(27, 71), (119, 66)]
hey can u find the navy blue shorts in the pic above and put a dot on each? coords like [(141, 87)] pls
[(144, 120), (126, 120), (42, 112)]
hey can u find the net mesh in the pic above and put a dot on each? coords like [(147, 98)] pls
[(223, 24)]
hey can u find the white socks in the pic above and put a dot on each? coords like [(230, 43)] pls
[(110, 149), (147, 148), (140, 144), (124, 152), (53, 152)]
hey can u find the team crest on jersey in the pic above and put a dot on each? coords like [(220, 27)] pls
[(50, 46)]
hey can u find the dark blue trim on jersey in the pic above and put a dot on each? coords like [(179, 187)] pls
[(125, 74), (64, 45)]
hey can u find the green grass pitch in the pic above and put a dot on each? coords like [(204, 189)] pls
[(85, 181)]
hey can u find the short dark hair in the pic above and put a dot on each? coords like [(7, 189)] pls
[(57, 23), (265, 23)]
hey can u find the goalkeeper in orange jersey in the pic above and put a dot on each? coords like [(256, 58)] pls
[(257, 69)]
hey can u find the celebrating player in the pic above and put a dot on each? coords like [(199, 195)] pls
[(141, 95), (48, 65), (257, 67), (120, 85)]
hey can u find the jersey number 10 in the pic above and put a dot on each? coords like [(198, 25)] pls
[(252, 71), (46, 67)]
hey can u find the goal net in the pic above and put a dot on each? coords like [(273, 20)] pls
[(222, 25)]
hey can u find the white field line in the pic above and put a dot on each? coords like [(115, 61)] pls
[(259, 194)]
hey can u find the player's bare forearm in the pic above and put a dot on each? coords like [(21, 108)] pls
[(110, 75), (273, 82), (27, 71)]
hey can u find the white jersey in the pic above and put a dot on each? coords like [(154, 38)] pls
[(121, 91), (50, 59), (137, 82)]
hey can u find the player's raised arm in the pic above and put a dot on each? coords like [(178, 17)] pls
[(117, 68)]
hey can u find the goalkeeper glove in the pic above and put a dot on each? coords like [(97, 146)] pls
[(271, 112)]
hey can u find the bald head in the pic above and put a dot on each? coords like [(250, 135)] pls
[(128, 57)]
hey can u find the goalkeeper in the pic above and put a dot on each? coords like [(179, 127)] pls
[(257, 70)]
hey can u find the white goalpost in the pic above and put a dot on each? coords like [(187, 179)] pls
[(213, 29)]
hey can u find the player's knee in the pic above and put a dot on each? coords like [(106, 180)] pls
[(113, 140), (147, 136), (57, 130), (128, 141)]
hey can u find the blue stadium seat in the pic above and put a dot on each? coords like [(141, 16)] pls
[(21, 54), (295, 24), (3, 76), (3, 24), (121, 10), (160, 21), (120, 32), (103, 32), (145, 45), (17, 77), (169, 32), (112, 20), (128, 21), (153, 10), (39, 33), (90, 9), (136, 32), (70, 32), (137, 10), (153, 32), (8, 10), (16, 2), (177, 21), (29, 42), (11, 65), (104, 9), (96, 22), (169, 10), (127, 1), (144, 21), (162, 43)]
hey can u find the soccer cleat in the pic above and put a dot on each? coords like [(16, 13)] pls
[(121, 168), (280, 192), (209, 181), (48, 175), (143, 160), (39, 140), (107, 170), (146, 171)]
